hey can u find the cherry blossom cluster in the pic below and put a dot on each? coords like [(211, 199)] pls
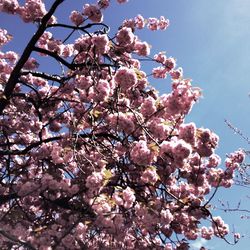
[(93, 157), (4, 37), (235, 159), (91, 12), (151, 23), (31, 11)]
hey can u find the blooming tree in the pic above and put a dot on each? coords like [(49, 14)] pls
[(94, 157)]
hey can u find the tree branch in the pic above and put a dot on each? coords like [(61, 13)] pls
[(28, 148), (82, 28), (72, 66), (55, 78)]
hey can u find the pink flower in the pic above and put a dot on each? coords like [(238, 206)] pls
[(141, 154), (118, 200), (102, 90), (128, 197), (83, 43), (103, 4), (153, 23), (68, 241), (122, 1), (4, 37), (56, 154), (76, 17), (170, 63), (160, 57), (237, 236), (84, 82), (160, 72), (93, 13), (182, 149), (148, 106), (163, 23), (125, 122), (45, 37), (11, 56), (32, 11), (94, 180), (177, 74), (142, 48), (9, 6), (129, 23), (207, 142), (101, 206), (139, 22), (126, 78), (214, 161), (31, 64), (159, 129), (237, 156), (166, 147), (187, 132), (125, 36), (68, 50), (101, 43), (150, 176), (219, 227), (207, 233)]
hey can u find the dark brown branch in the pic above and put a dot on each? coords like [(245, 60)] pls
[(55, 56), (65, 204), (82, 28), (28, 148), (111, 136), (43, 75), (7, 198), (72, 66), (38, 143)]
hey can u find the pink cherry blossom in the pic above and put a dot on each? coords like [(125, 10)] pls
[(150, 175), (125, 78), (141, 154), (104, 3), (128, 197), (4, 37), (32, 11), (160, 72), (153, 23), (148, 106), (160, 57), (9, 6), (177, 74), (76, 17), (93, 13), (139, 22), (122, 1), (188, 133), (163, 23), (101, 44), (219, 227), (142, 48), (207, 233), (125, 36)]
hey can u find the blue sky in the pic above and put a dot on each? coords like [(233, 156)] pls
[(211, 41)]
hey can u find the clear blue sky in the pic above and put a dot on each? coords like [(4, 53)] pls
[(211, 41)]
